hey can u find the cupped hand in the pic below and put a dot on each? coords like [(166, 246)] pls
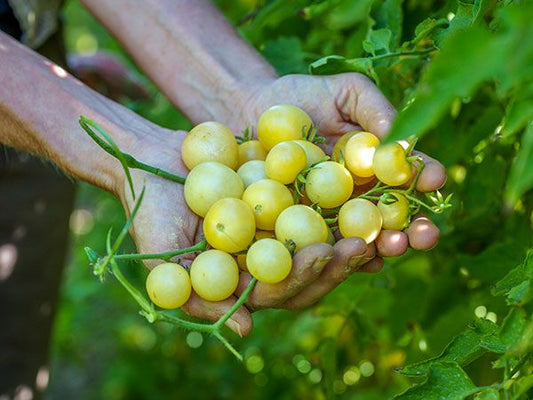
[(164, 222), (342, 103)]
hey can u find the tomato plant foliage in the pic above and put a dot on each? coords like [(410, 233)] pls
[(452, 323)]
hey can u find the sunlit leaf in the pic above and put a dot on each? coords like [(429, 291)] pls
[(516, 285), (521, 175), (445, 381), (480, 337)]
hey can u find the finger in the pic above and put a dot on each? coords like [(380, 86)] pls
[(240, 322), (373, 266), (308, 264), (422, 233), (433, 176), (391, 243), (349, 255), (363, 103)]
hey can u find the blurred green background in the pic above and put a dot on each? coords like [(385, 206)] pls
[(476, 121)]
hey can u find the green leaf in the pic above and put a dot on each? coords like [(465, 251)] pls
[(445, 381), (337, 64), (378, 41), (479, 10), (466, 60), (286, 55), (519, 111), (390, 15), (481, 336), (516, 285), (513, 326), (521, 176)]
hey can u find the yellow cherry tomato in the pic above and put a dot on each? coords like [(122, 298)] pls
[(229, 225), (268, 260), (302, 226), (360, 218), (285, 161), (168, 285), (209, 182), (313, 153), (328, 184), (251, 150), (267, 198), (359, 153), (390, 164), (252, 171), (281, 123), (214, 275), (395, 215), (210, 141)]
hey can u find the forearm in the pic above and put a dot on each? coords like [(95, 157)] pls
[(190, 51), (40, 105)]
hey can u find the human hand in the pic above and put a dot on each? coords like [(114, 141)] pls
[(164, 222), (105, 73)]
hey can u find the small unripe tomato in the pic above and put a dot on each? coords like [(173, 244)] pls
[(214, 275), (285, 161), (390, 164), (168, 285), (252, 171), (395, 215), (209, 182), (360, 218), (313, 153), (210, 141), (251, 150), (281, 123)]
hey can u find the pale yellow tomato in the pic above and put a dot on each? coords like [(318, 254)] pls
[(285, 161), (359, 153), (210, 141), (251, 150), (328, 184), (360, 218), (214, 275), (302, 226), (209, 182), (313, 153), (229, 225), (168, 285), (268, 260), (281, 123), (267, 198), (252, 171)]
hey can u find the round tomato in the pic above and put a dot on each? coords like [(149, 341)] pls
[(328, 184), (168, 285), (229, 225), (395, 215), (313, 153), (359, 153), (210, 141), (251, 150), (281, 123), (302, 226), (360, 218), (267, 198), (268, 260), (285, 161), (252, 171), (209, 182), (390, 164), (214, 275)]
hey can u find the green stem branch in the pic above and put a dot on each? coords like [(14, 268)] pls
[(167, 255)]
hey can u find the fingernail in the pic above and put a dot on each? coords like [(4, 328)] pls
[(320, 263), (354, 263), (234, 326)]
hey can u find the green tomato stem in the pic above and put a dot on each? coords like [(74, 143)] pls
[(127, 160), (167, 255), (240, 301), (228, 345)]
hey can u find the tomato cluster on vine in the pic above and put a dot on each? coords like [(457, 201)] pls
[(263, 199)]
